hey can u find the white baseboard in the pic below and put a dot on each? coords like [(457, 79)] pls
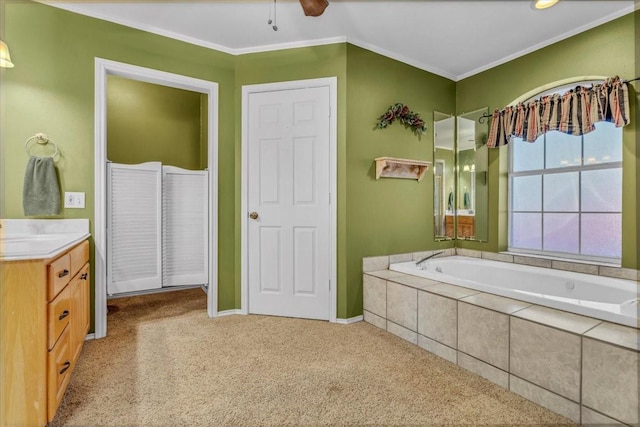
[(229, 312), (350, 320), (90, 336)]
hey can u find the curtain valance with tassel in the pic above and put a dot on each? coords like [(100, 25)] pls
[(574, 112)]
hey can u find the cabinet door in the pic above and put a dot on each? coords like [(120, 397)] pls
[(59, 372), (79, 288)]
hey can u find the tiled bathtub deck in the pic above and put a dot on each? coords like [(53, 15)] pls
[(583, 368)]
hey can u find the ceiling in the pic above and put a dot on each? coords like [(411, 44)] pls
[(454, 39)]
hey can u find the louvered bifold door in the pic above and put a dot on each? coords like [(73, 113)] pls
[(185, 229), (134, 248)]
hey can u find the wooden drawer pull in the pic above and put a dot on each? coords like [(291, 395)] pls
[(63, 315), (63, 273), (66, 365), (83, 276)]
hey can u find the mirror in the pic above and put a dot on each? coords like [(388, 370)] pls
[(472, 165), (444, 176)]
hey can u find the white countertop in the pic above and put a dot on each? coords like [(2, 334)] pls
[(24, 239)]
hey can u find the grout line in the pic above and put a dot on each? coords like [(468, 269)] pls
[(509, 356), (603, 414), (581, 376), (545, 389)]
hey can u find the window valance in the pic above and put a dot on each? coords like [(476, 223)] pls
[(574, 112)]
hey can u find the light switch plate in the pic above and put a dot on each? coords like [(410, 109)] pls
[(74, 200)]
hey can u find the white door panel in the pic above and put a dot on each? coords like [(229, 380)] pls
[(185, 227), (134, 247), (288, 187)]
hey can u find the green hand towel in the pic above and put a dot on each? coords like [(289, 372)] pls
[(41, 193)]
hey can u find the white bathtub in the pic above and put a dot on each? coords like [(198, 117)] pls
[(604, 298)]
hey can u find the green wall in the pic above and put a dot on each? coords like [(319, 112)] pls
[(607, 50), (148, 122), (51, 90), (387, 216)]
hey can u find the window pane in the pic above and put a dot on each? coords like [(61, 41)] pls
[(526, 231), (526, 155), (602, 190), (563, 150), (561, 233), (561, 192), (526, 193), (603, 145), (602, 235)]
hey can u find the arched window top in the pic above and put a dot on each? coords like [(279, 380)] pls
[(559, 86), (573, 112)]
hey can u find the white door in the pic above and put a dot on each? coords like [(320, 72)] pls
[(288, 203), (134, 221), (185, 227)]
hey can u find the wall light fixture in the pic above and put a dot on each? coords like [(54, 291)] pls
[(5, 58)]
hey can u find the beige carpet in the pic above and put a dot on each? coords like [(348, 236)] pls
[(165, 363)]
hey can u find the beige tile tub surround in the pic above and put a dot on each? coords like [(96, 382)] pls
[(384, 274), (485, 370), (484, 334), (583, 368), (382, 262), (415, 281), (437, 318), (496, 302), (568, 322), (497, 257), (547, 357), (623, 336), (469, 252), (375, 295), (575, 267), (595, 419), (402, 305), (545, 398), (375, 263), (438, 349), (610, 380), (535, 262), (375, 320), (619, 273), (393, 259), (402, 332)]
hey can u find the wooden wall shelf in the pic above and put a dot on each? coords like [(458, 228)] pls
[(391, 167)]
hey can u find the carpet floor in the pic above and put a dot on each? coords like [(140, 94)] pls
[(165, 363)]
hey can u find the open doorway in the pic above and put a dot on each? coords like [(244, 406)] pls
[(205, 155)]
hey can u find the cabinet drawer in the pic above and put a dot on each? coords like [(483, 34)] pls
[(59, 274), (59, 314), (79, 257), (59, 373)]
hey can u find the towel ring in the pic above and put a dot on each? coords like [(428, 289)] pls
[(41, 139)]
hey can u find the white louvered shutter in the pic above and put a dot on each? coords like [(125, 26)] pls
[(134, 248), (185, 229)]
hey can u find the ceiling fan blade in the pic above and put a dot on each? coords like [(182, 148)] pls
[(314, 7)]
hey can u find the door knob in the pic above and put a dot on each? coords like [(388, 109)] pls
[(253, 215)]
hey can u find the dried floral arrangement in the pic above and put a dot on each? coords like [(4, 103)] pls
[(403, 114)]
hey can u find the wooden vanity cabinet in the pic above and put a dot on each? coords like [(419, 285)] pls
[(44, 319), (466, 226)]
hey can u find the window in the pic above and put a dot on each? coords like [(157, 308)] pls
[(565, 195)]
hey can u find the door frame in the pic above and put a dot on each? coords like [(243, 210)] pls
[(247, 90), (103, 68)]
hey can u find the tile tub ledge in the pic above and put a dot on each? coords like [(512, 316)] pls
[(439, 318)]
